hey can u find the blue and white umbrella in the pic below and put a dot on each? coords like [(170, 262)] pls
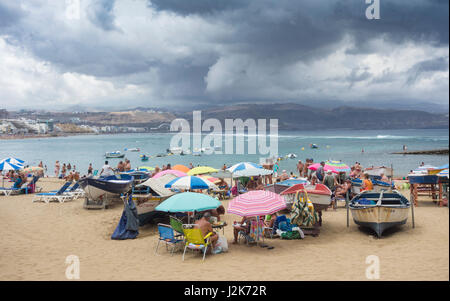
[(243, 166), (443, 173), (6, 166), (190, 182), (14, 161)]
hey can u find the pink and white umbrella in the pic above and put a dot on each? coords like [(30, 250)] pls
[(256, 203), (174, 172)]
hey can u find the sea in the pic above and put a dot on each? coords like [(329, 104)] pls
[(369, 147)]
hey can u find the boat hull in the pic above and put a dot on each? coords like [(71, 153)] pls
[(380, 218), (423, 179), (100, 188)]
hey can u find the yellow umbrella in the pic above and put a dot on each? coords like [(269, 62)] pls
[(201, 170), (146, 168)]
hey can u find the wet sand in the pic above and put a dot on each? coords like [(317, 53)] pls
[(36, 238)]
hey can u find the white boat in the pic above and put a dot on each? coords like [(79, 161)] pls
[(103, 188), (318, 194), (116, 154), (379, 210), (133, 149)]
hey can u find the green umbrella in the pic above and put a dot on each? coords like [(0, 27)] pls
[(188, 202)]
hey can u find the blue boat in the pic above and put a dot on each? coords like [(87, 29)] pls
[(109, 187)]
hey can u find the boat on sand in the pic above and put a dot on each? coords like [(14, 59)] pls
[(379, 210)]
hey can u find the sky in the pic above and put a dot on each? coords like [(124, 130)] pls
[(177, 53)]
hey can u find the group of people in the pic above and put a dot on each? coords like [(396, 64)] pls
[(63, 171)]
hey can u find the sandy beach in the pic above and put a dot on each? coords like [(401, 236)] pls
[(36, 238)]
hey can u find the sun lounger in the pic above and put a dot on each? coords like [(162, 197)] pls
[(74, 191), (57, 196), (14, 190)]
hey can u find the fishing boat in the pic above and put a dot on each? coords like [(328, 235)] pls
[(291, 156), (110, 187), (312, 145), (379, 210), (318, 194), (116, 154), (376, 172), (144, 157), (133, 149)]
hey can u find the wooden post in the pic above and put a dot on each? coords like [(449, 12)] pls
[(412, 214), (347, 201)]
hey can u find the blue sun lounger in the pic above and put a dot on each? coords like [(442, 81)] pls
[(57, 196)]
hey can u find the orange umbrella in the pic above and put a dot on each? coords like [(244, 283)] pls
[(180, 167)]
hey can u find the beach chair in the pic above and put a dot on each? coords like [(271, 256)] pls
[(75, 191), (177, 225), (58, 196), (7, 191), (195, 240), (167, 235)]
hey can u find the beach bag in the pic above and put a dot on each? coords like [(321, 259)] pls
[(221, 244)]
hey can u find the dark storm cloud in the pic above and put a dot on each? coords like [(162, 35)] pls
[(9, 13), (197, 6), (429, 66)]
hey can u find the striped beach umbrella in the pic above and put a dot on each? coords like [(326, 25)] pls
[(256, 203), (190, 182), (32, 169), (243, 166), (6, 166), (201, 170), (176, 173), (188, 202), (14, 161), (338, 166), (443, 173)]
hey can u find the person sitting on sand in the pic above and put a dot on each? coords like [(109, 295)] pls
[(69, 177), (259, 184), (367, 183), (284, 176), (205, 226), (243, 225)]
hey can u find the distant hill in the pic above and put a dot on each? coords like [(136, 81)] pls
[(301, 117)]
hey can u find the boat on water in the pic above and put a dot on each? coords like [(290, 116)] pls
[(291, 156), (312, 145), (318, 194), (379, 210), (135, 149), (109, 187), (144, 157), (116, 154)]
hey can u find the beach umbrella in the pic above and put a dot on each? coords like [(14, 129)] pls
[(181, 168), (188, 202), (243, 166), (252, 172), (201, 170), (6, 166), (176, 173), (338, 166), (209, 178), (256, 203), (443, 173), (32, 169), (14, 161), (190, 182)]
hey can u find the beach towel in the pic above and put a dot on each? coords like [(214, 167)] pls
[(303, 213), (128, 227)]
